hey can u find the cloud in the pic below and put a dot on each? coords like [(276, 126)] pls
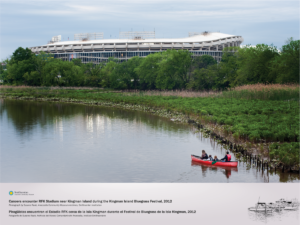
[(256, 11), (172, 18)]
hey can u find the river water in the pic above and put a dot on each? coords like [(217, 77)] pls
[(61, 142)]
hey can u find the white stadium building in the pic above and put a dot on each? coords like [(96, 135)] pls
[(91, 47)]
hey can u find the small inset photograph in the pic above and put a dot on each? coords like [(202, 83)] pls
[(278, 210)]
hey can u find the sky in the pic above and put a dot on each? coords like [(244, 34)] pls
[(32, 23)]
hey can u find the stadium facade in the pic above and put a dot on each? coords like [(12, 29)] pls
[(97, 51)]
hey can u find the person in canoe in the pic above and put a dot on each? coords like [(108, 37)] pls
[(227, 157), (204, 155), (210, 158), (216, 158)]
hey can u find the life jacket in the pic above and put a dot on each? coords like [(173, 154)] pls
[(228, 157)]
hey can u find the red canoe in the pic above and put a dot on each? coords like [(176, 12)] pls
[(229, 164)]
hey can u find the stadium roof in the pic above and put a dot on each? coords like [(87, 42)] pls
[(196, 38)]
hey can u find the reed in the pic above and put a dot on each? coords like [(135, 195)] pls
[(264, 87), (249, 92), (3, 87), (175, 93), (265, 92)]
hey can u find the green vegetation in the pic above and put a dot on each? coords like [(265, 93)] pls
[(253, 119), (285, 153), (265, 92), (167, 70)]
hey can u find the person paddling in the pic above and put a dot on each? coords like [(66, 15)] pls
[(204, 155), (227, 157)]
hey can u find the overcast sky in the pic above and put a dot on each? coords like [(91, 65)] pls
[(32, 23)]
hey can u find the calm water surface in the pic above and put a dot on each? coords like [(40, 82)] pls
[(60, 142)]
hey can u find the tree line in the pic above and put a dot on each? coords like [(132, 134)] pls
[(167, 70)]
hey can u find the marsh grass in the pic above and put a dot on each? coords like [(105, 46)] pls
[(176, 93), (264, 92), (3, 87), (249, 92), (261, 87)]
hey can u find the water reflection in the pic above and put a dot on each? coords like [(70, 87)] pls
[(225, 170), (59, 142), (58, 127)]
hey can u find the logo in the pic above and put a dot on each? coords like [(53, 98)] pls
[(11, 193)]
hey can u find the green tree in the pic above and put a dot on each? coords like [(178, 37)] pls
[(36, 76), (130, 71), (147, 71), (21, 62), (204, 78), (52, 73), (119, 78), (286, 66), (21, 54), (106, 75), (124, 76), (174, 69), (1, 69), (1, 72), (254, 64), (77, 62), (92, 74), (203, 62), (228, 67)]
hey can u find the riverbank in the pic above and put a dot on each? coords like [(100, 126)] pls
[(242, 125)]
